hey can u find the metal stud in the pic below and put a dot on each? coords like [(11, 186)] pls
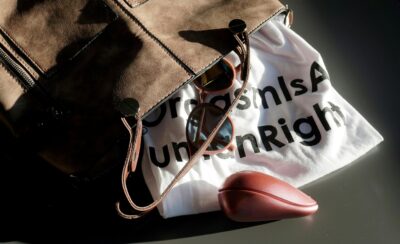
[(237, 26)]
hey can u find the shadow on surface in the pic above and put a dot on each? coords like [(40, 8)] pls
[(40, 204)]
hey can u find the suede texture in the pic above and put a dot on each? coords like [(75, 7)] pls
[(91, 54), (197, 33), (50, 32)]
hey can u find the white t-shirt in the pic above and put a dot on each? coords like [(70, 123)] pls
[(291, 123)]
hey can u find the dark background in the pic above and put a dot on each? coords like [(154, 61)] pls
[(359, 41)]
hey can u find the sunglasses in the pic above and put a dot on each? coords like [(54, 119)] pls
[(209, 129), (205, 116)]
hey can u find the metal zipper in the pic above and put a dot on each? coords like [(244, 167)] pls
[(23, 77), (28, 83)]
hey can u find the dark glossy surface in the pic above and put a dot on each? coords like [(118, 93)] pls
[(359, 41)]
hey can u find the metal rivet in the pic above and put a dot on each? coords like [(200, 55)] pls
[(237, 26), (128, 107)]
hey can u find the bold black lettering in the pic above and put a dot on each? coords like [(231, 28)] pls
[(270, 138), (321, 113), (284, 88), (159, 114), (177, 146), (240, 141), (315, 67), (300, 88), (244, 99), (313, 133), (172, 106), (274, 94), (286, 130), (225, 98), (154, 159)]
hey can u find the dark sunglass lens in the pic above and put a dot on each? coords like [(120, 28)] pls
[(202, 121), (219, 77)]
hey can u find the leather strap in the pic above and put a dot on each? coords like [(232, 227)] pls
[(134, 145)]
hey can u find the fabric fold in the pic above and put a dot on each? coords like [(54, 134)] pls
[(291, 124)]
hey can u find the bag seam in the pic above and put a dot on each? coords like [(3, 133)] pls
[(165, 48), (174, 56), (209, 64), (20, 49), (39, 67), (278, 11)]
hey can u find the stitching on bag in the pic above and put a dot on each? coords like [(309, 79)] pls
[(21, 49), (268, 19), (212, 62), (163, 45), (16, 56), (174, 57), (19, 59), (184, 83), (154, 106), (187, 69)]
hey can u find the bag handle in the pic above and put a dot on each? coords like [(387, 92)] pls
[(238, 29)]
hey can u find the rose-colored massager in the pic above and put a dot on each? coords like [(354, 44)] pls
[(249, 196)]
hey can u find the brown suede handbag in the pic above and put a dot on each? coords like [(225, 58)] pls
[(70, 70)]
